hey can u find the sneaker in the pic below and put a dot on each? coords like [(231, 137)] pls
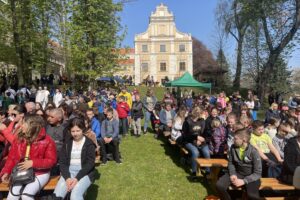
[(103, 162)]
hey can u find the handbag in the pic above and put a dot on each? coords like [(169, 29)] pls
[(22, 177)]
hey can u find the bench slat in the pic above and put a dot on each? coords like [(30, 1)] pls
[(215, 162)]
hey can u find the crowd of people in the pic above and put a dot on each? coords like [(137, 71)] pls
[(64, 133)]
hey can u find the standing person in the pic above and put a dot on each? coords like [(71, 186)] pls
[(39, 96), (149, 103), (123, 110), (39, 152), (244, 168), (110, 135), (256, 107), (33, 92), (77, 163), (222, 100), (137, 115), (45, 95), (128, 100), (57, 98)]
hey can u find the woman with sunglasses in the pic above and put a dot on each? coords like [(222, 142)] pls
[(17, 115)]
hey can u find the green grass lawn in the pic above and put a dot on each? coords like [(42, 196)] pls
[(151, 169)]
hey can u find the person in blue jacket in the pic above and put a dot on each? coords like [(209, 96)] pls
[(96, 125)]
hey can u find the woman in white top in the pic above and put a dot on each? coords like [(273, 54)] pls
[(177, 124), (77, 163)]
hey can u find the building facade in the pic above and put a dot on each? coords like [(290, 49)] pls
[(126, 63), (162, 51)]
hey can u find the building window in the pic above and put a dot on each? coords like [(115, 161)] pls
[(181, 48), (182, 66), (162, 48), (144, 48), (163, 67), (144, 67)]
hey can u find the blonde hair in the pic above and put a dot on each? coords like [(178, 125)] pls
[(272, 105), (216, 123), (35, 124), (196, 112)]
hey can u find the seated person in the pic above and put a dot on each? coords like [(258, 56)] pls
[(40, 154), (77, 163), (217, 145), (244, 167), (231, 121), (291, 159), (177, 123), (166, 117), (280, 139), (110, 135), (270, 157), (192, 137)]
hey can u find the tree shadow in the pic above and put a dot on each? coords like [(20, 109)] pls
[(93, 190)]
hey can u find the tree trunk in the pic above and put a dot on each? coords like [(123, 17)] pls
[(238, 72), (16, 37)]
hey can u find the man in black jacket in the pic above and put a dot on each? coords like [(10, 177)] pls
[(244, 166)]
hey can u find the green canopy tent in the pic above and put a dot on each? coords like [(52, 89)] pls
[(187, 80)]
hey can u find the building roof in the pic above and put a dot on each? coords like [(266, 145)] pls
[(126, 62), (124, 51)]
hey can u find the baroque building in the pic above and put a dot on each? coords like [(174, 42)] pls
[(162, 51)]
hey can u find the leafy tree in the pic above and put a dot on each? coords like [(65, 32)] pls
[(223, 65), (93, 31)]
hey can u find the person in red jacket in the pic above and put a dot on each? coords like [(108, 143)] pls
[(10, 132), (42, 156), (123, 110)]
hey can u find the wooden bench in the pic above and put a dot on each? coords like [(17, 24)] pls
[(48, 187), (274, 184), (215, 165)]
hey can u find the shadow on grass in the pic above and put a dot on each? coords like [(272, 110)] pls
[(173, 151), (93, 190)]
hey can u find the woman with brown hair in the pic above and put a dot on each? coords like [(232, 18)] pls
[(32, 148)]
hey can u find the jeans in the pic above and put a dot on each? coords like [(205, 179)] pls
[(195, 152), (31, 188), (254, 114), (148, 116), (224, 182), (137, 129), (123, 123), (80, 188)]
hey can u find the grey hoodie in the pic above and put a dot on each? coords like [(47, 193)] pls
[(248, 169)]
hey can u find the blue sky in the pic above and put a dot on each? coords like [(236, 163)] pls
[(191, 16)]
